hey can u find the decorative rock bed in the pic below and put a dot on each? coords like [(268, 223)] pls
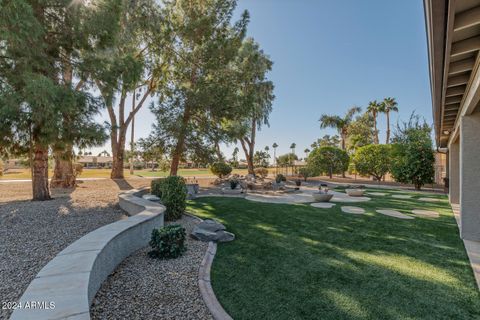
[(146, 288), (72, 278)]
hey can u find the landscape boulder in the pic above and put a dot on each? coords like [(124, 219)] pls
[(211, 230)]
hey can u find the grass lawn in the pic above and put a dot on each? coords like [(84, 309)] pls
[(105, 173), (300, 262)]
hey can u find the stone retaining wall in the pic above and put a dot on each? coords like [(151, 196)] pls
[(66, 286)]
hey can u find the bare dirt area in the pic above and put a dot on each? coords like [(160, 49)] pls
[(33, 232)]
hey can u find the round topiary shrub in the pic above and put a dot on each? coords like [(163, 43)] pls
[(220, 169), (173, 194)]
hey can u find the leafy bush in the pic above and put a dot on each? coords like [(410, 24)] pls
[(262, 172), (156, 187), (279, 178), (328, 160), (220, 169), (173, 194), (1, 167), (413, 157), (168, 242), (305, 172), (373, 159)]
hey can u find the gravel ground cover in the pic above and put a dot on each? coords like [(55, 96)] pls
[(146, 288), (32, 233)]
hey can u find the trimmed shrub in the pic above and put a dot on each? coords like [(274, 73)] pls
[(279, 178), (220, 169), (173, 194), (168, 242), (373, 159), (329, 160), (262, 172), (156, 187)]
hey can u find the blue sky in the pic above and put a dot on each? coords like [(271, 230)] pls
[(331, 55)]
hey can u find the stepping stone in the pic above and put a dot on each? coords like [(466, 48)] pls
[(426, 213), (401, 196), (323, 205), (354, 210), (393, 213), (381, 194), (348, 199), (150, 197), (430, 199)]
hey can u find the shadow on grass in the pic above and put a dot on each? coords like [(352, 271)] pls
[(299, 262)]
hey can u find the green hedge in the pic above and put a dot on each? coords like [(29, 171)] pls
[(168, 242)]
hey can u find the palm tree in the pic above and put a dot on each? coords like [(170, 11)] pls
[(275, 146), (389, 105), (374, 108), (339, 123), (307, 151), (292, 146)]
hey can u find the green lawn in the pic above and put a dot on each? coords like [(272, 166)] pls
[(300, 262)]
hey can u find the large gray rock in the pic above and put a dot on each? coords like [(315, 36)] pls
[(211, 225), (211, 230)]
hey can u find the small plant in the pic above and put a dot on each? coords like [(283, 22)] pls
[(233, 183), (220, 169), (261, 172), (280, 178), (298, 182), (173, 193), (168, 242)]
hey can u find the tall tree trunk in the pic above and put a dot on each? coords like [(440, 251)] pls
[(64, 175), (387, 140), (246, 149), (177, 153), (132, 136), (343, 141), (250, 143), (41, 190), (118, 153), (376, 131)]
